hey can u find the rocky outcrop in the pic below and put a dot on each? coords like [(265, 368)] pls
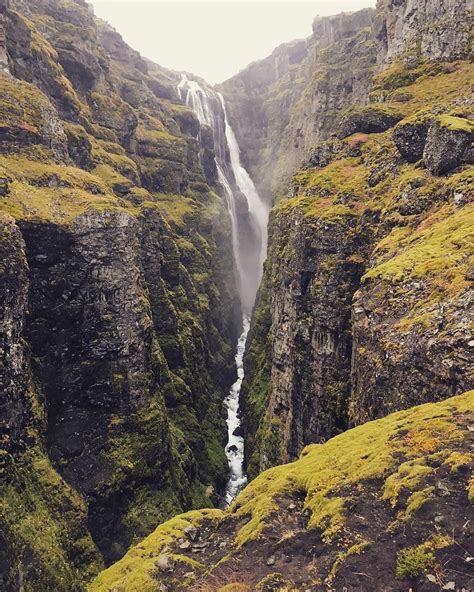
[(443, 141), (448, 141), (119, 302), (281, 107), (429, 29), (34, 498), (312, 271), (369, 120), (410, 137), (378, 503)]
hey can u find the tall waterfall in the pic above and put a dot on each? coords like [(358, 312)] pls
[(249, 217)]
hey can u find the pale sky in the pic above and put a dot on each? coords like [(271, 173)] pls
[(214, 39)]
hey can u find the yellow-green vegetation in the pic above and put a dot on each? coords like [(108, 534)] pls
[(455, 124), (356, 549), (426, 84), (413, 561), (175, 209), (374, 451), (49, 175), (335, 191), (439, 248), (401, 451), (22, 105), (41, 513), (134, 573), (60, 205)]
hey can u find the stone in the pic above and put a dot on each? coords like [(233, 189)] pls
[(442, 489), (185, 546), (410, 139), (4, 187), (163, 563), (271, 561), (431, 578), (368, 120), (192, 533), (448, 140), (450, 586), (239, 432)]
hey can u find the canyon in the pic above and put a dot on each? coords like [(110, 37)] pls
[(235, 341)]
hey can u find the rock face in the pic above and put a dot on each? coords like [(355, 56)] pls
[(282, 106), (119, 309), (433, 29), (447, 142), (364, 305)]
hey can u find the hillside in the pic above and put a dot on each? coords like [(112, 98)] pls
[(384, 506)]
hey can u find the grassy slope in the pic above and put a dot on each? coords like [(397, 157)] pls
[(395, 461)]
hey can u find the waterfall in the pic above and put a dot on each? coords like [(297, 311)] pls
[(249, 216)]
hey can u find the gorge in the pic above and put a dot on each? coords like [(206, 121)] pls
[(236, 346), (249, 218)]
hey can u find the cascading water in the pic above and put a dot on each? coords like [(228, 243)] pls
[(249, 216)]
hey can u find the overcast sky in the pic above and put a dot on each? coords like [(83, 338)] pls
[(214, 39)]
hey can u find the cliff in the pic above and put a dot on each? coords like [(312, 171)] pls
[(119, 311), (364, 304), (282, 106)]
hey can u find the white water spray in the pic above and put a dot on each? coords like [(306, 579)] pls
[(251, 229)]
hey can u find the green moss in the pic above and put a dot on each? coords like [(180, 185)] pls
[(60, 205), (34, 499), (356, 549), (438, 247), (112, 178), (47, 175), (134, 573), (414, 561), (455, 124), (370, 452), (22, 105), (177, 210)]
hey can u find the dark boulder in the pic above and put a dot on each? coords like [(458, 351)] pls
[(448, 143), (368, 120), (410, 136), (239, 432)]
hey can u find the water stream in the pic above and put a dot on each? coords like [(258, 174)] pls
[(249, 216)]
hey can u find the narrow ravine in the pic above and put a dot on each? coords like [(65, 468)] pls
[(249, 218)]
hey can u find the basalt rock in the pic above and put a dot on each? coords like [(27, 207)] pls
[(448, 140), (410, 137), (370, 120), (282, 106)]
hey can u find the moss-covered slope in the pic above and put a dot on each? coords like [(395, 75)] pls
[(118, 306), (384, 504)]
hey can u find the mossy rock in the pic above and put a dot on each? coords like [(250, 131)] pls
[(369, 120), (448, 141), (410, 135)]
